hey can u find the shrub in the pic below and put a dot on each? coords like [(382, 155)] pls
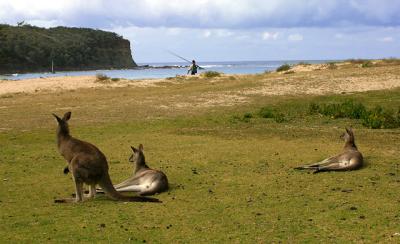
[(211, 74), (378, 118), (248, 116), (283, 67), (347, 109), (357, 61), (270, 113), (332, 65), (367, 64), (279, 117), (115, 79), (102, 77), (313, 108), (304, 63), (266, 112)]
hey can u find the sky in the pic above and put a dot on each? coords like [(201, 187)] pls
[(228, 30)]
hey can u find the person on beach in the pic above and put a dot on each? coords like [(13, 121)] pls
[(193, 68)]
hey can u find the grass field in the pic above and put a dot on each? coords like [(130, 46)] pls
[(231, 172)]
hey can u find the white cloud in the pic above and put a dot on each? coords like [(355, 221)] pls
[(207, 33), (339, 36), (218, 14), (295, 37), (386, 39), (174, 31), (270, 35), (223, 33)]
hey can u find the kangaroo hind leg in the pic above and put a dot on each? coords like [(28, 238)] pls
[(330, 167), (319, 164)]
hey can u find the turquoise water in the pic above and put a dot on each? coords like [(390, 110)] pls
[(229, 67)]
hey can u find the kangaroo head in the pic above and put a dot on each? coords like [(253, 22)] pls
[(63, 123), (348, 137), (137, 155)]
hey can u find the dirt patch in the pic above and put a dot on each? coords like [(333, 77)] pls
[(327, 83)]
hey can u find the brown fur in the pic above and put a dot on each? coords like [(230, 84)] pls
[(145, 181), (87, 164), (349, 159)]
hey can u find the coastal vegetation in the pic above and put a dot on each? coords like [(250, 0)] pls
[(228, 145), (210, 74), (28, 48), (283, 67)]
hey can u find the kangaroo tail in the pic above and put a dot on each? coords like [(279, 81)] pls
[(109, 189)]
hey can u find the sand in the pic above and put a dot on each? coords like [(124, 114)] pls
[(67, 83), (306, 79)]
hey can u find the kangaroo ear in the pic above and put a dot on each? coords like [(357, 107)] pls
[(57, 118), (349, 130), (134, 149), (140, 147), (67, 116)]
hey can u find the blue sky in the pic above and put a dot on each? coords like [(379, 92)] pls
[(222, 30)]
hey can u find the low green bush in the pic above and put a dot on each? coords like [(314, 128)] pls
[(266, 112), (283, 67), (270, 113), (347, 109), (377, 118), (357, 61), (102, 77), (367, 64), (211, 74), (313, 108), (332, 65)]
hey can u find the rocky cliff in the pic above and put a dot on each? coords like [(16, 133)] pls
[(33, 49)]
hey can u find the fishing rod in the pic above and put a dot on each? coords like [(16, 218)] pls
[(176, 55)]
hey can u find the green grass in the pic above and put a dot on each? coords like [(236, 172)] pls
[(232, 180)]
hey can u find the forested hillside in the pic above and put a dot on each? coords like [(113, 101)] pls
[(27, 49)]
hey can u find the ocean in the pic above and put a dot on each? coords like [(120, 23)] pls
[(156, 70)]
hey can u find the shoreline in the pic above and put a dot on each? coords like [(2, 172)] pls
[(276, 83)]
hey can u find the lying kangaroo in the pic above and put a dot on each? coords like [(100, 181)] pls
[(87, 164), (349, 159), (145, 181)]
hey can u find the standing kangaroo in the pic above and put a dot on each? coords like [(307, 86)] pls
[(145, 181), (349, 159), (87, 164)]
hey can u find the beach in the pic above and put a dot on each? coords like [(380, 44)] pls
[(316, 79)]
